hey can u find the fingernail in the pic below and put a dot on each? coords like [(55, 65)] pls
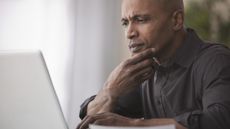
[(153, 49)]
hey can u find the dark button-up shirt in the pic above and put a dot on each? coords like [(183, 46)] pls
[(193, 87)]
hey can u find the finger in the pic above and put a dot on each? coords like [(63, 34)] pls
[(142, 65), (110, 119), (90, 119), (106, 121), (114, 120), (79, 125), (144, 74), (82, 122), (146, 77), (148, 53), (86, 121)]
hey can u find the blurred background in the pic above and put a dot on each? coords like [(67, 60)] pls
[(82, 40), (210, 18)]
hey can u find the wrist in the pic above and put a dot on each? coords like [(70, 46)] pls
[(137, 122), (109, 90), (112, 90), (103, 102)]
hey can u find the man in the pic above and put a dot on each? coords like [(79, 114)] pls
[(172, 77)]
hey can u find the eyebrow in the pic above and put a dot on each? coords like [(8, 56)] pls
[(136, 16)]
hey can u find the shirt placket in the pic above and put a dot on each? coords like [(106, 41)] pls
[(159, 82)]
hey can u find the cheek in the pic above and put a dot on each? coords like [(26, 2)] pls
[(154, 37), (160, 34), (149, 34)]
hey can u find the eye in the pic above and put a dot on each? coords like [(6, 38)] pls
[(125, 23), (141, 19)]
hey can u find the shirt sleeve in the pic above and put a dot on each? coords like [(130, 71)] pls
[(84, 105), (215, 96), (190, 119), (129, 105)]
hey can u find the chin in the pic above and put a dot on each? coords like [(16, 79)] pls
[(135, 53)]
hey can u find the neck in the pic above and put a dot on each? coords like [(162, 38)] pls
[(171, 49)]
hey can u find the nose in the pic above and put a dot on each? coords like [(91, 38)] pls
[(131, 31)]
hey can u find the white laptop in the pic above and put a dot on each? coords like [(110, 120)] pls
[(27, 96)]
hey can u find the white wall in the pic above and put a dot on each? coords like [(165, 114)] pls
[(40, 24), (97, 49)]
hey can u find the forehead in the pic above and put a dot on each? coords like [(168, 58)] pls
[(135, 7)]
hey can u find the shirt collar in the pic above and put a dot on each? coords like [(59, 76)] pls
[(187, 52)]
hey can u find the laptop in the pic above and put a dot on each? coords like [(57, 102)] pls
[(27, 96)]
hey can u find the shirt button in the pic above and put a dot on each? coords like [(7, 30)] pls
[(158, 102)]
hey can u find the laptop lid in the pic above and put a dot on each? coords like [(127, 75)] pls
[(27, 96)]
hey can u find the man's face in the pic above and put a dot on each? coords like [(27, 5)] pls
[(147, 25)]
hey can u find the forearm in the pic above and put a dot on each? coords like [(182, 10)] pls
[(112, 119), (216, 116), (157, 122), (105, 105)]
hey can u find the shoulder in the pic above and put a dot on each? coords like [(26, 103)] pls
[(212, 63), (213, 54)]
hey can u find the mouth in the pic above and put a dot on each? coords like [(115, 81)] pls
[(136, 47)]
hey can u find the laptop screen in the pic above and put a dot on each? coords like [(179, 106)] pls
[(27, 96)]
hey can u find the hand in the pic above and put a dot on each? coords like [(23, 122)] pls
[(105, 119), (111, 119), (124, 78), (131, 73)]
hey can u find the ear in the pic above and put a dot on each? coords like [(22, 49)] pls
[(178, 20)]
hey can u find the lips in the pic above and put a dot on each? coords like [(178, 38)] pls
[(136, 47)]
